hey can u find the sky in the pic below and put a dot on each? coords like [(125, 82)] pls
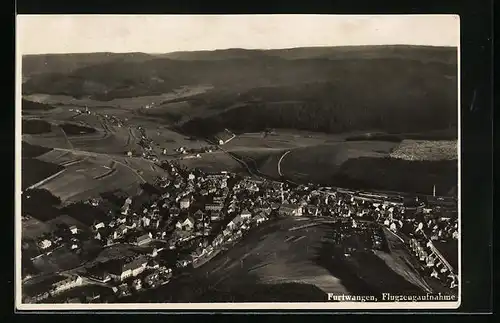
[(42, 34)]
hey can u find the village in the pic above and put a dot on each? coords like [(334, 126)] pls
[(185, 220)]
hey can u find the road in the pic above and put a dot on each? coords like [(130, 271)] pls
[(43, 181), (280, 160)]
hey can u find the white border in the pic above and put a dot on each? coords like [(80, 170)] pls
[(19, 306)]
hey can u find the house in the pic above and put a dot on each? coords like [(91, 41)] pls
[(182, 263), (213, 207), (99, 273), (185, 203), (66, 284), (144, 239), (145, 221), (73, 229), (215, 216), (153, 264), (44, 244), (186, 224), (259, 218), (245, 215), (290, 210), (120, 231), (99, 225), (236, 222), (123, 269), (224, 137)]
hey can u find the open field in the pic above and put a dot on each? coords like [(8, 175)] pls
[(212, 162), (125, 103), (34, 171), (88, 174), (317, 163), (426, 150), (86, 179)]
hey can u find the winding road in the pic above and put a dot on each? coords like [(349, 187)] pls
[(280, 160)]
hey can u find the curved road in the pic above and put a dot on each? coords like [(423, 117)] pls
[(280, 160)]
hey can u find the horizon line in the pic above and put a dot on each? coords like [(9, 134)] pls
[(241, 48)]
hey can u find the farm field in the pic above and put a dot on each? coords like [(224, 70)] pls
[(212, 162), (123, 103), (90, 174)]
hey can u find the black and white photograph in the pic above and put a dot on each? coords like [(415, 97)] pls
[(237, 162)]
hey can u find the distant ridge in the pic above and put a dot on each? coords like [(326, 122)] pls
[(67, 63)]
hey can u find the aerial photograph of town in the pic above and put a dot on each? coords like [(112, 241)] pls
[(238, 159)]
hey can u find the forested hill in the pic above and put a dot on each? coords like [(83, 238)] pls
[(336, 89)]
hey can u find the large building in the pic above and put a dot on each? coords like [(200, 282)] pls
[(123, 269), (214, 207), (66, 284), (290, 210)]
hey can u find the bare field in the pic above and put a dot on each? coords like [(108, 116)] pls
[(426, 150), (88, 176), (33, 228), (212, 162), (282, 139)]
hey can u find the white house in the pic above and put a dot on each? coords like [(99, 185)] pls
[(99, 226), (73, 229), (185, 203), (66, 284), (187, 224), (259, 218), (290, 209), (245, 215), (44, 244)]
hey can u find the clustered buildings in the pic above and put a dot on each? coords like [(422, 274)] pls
[(194, 216)]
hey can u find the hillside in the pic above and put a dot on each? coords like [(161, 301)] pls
[(67, 63), (422, 53), (27, 105), (329, 89), (354, 103)]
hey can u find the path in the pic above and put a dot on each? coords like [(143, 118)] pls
[(280, 160), (66, 137), (45, 180)]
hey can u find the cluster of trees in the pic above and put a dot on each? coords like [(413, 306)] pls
[(31, 151), (348, 105), (27, 105), (35, 126), (125, 78), (40, 204), (34, 170)]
